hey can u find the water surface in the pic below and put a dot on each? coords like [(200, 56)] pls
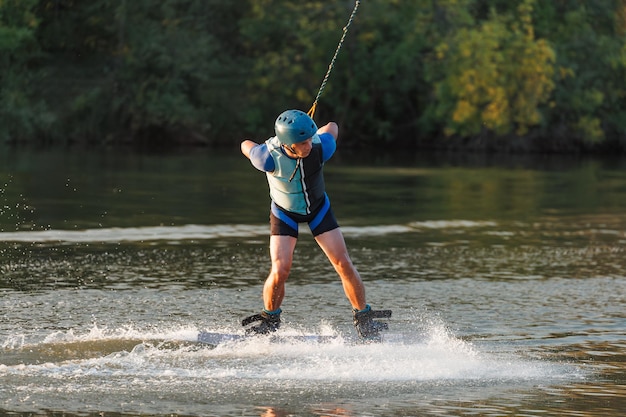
[(505, 275)]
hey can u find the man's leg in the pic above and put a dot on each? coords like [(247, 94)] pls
[(281, 253), (334, 246)]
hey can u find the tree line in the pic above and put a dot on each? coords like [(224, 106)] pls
[(484, 73)]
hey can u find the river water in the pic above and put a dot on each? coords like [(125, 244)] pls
[(506, 277)]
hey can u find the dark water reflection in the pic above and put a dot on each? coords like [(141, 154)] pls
[(112, 188), (505, 274)]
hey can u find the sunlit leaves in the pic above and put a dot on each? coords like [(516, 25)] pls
[(496, 75)]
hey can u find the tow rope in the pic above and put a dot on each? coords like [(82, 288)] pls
[(311, 112)]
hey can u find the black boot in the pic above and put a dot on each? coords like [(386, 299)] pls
[(366, 326), (270, 322)]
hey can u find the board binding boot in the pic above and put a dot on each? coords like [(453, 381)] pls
[(366, 326), (270, 322)]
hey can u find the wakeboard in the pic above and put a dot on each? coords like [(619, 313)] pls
[(216, 338)]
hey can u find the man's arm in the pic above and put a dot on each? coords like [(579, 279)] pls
[(329, 146), (258, 155), (246, 146), (330, 127)]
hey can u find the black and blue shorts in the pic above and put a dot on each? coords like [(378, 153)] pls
[(285, 223)]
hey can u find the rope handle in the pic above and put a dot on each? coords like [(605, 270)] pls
[(311, 112)]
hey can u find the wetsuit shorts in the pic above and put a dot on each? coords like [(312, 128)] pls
[(285, 223)]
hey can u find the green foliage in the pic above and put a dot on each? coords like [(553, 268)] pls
[(21, 114), (174, 73), (493, 76), (163, 59), (590, 94), (289, 45), (150, 71), (408, 71), (383, 89)]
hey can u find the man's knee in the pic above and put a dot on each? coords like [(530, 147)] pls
[(342, 262), (280, 271)]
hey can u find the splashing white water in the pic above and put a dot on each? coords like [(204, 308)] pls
[(165, 371), (172, 353)]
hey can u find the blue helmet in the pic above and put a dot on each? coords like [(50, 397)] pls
[(294, 126)]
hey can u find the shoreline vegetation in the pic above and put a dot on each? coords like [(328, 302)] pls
[(483, 75)]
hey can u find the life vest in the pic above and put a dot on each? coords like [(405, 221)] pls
[(296, 185)]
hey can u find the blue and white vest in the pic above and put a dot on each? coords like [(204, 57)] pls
[(298, 185)]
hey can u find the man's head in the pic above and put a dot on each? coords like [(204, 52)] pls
[(294, 126)]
